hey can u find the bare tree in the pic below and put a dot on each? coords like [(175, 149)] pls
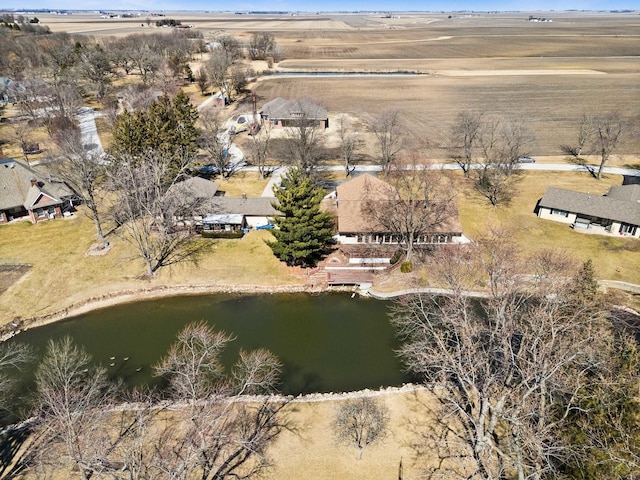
[(348, 145), (361, 422), (96, 68), (214, 140), (193, 364), (219, 66), (21, 133), (497, 370), (387, 128), (465, 133), (609, 133), (261, 45), (30, 95), (585, 133), (218, 436), (501, 143), (150, 201), (304, 138), (202, 79), (13, 357), (600, 135), (416, 205), (83, 170), (72, 396), (258, 150)]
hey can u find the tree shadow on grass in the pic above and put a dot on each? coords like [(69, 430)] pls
[(13, 457)]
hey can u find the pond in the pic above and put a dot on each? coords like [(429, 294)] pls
[(327, 342)]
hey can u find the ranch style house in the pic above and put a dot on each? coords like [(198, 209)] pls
[(289, 113), (355, 228), (615, 213)]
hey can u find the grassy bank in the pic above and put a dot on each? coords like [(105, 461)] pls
[(62, 274)]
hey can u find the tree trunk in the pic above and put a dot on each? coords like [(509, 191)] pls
[(601, 167), (96, 222)]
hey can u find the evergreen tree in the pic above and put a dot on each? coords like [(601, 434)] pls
[(166, 127), (305, 233), (583, 289)]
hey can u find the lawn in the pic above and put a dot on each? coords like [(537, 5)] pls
[(614, 258), (62, 274)]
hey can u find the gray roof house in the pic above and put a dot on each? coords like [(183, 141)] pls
[(287, 113), (29, 193), (257, 211), (615, 213)]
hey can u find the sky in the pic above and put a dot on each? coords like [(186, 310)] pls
[(324, 5)]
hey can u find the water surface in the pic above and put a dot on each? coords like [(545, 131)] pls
[(327, 342)]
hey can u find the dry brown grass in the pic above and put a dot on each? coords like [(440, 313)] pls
[(57, 253), (309, 449), (312, 452), (614, 258), (243, 182)]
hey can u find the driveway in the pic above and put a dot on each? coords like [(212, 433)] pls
[(89, 133)]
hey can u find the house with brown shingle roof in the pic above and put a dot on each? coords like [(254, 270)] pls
[(289, 113), (357, 228), (28, 193), (615, 213)]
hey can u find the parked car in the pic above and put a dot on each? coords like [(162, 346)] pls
[(208, 170), (267, 226), (212, 169), (526, 160)]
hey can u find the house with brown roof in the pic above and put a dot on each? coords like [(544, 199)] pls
[(28, 193), (358, 229), (290, 113), (615, 213)]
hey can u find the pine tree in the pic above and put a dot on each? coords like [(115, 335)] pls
[(305, 232), (584, 286), (166, 127)]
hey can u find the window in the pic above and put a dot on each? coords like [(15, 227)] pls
[(628, 229), (40, 213), (561, 213)]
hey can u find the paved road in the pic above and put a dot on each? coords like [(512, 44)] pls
[(554, 167)]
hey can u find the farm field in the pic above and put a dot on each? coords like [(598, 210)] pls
[(548, 73)]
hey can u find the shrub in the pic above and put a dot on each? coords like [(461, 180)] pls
[(210, 234), (396, 257), (406, 267)]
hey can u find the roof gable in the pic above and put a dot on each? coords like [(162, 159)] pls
[(37, 198), (16, 189), (629, 193)]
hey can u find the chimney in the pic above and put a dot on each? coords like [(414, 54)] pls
[(34, 182)]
